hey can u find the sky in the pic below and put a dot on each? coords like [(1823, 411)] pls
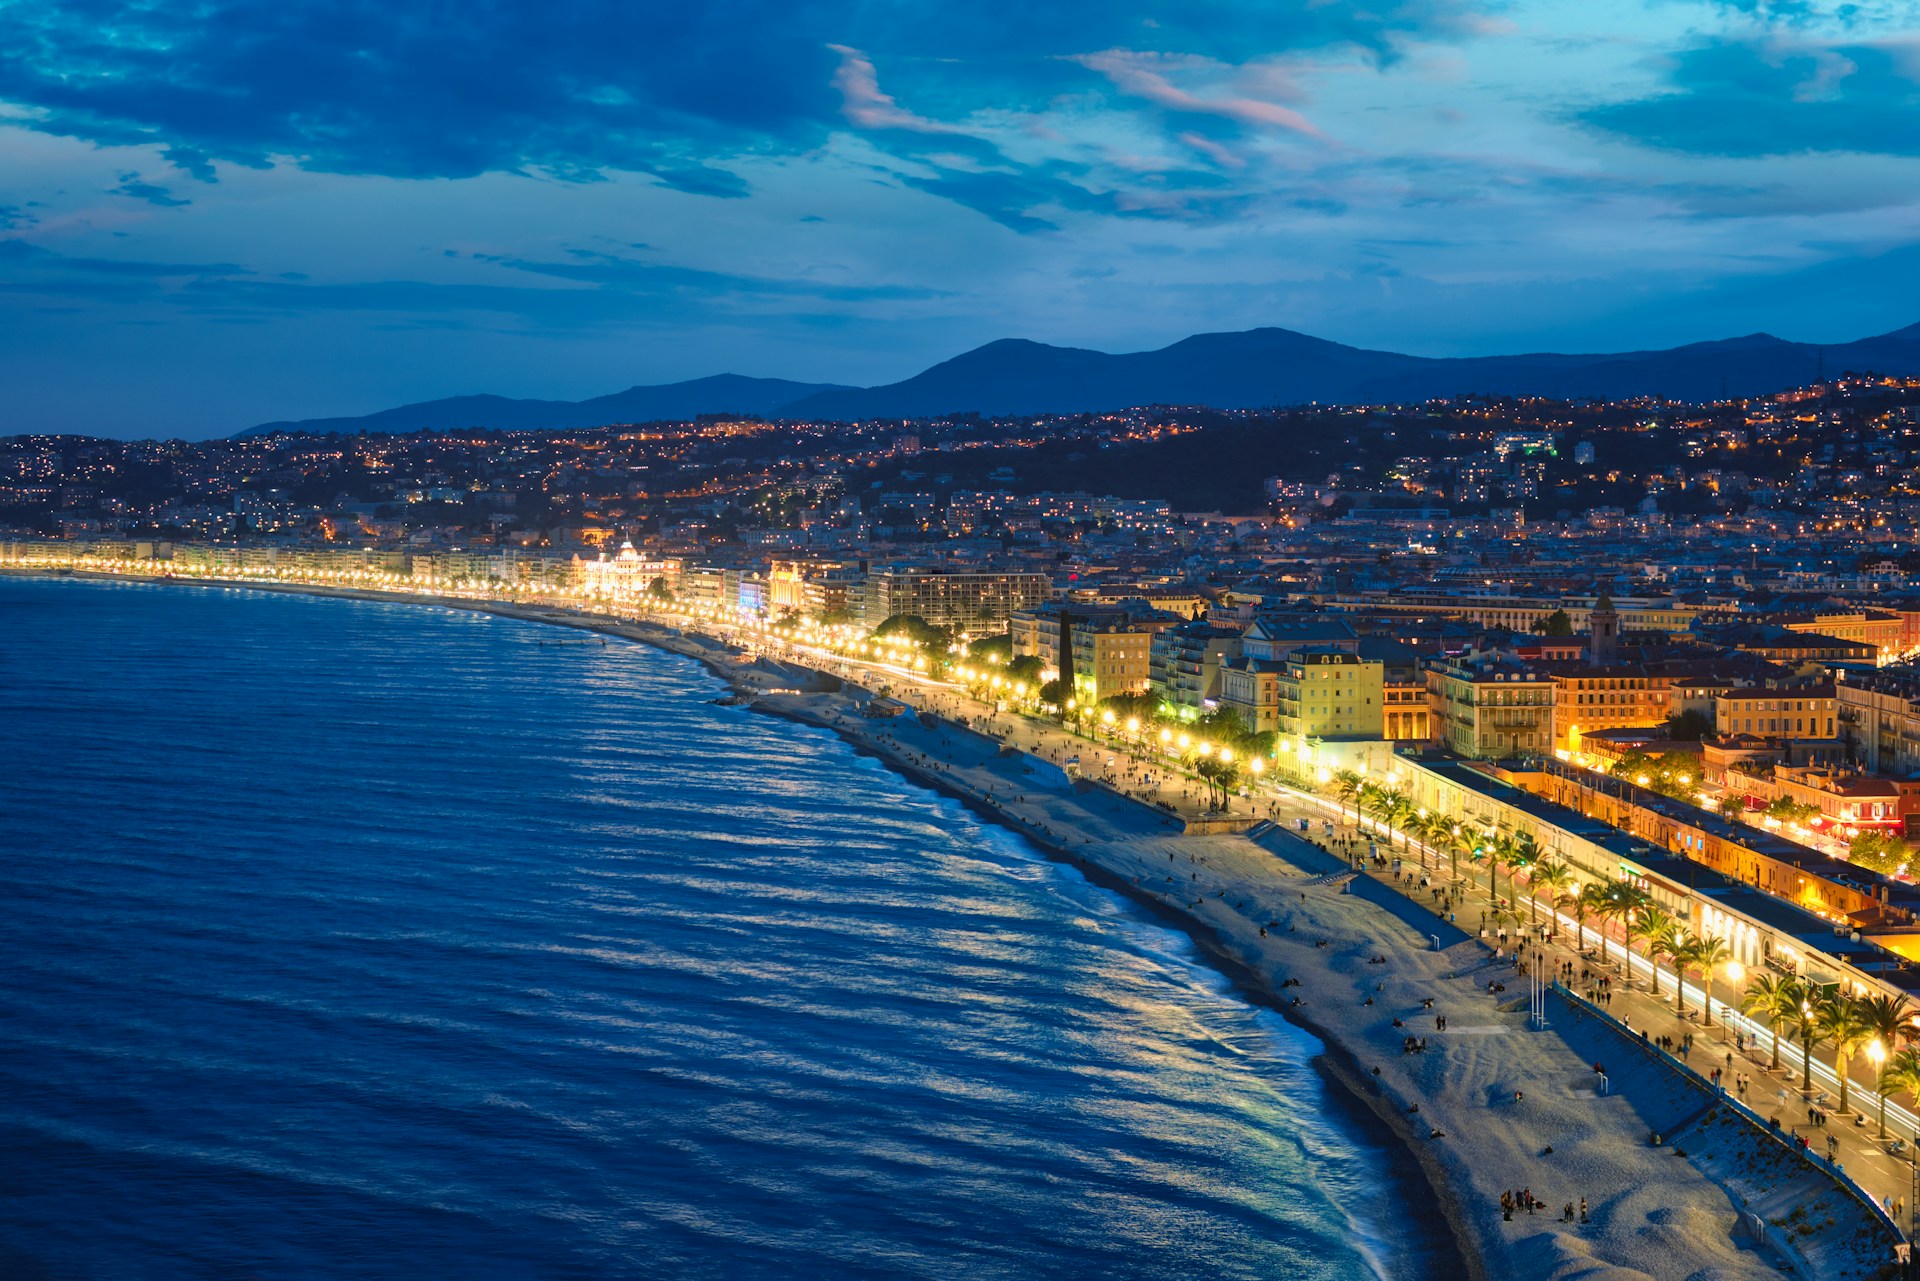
[(222, 213)]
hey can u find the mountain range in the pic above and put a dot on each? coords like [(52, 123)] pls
[(1250, 369)]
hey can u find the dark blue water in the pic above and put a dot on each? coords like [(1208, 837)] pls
[(353, 940)]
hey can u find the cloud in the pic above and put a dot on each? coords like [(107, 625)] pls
[(681, 92), (594, 289), (1775, 96), (864, 105), (132, 185), (1145, 75)]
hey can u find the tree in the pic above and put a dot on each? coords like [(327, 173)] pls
[(1663, 935), (1554, 878), (1805, 1019), (1590, 901), (1897, 1073), (1394, 808), (1522, 856), (1634, 903), (1219, 776), (1347, 785), (992, 649), (1444, 838), (1784, 809), (1776, 999), (1889, 1020), (1131, 707), (1055, 692), (1731, 807), (1879, 852), (1556, 624), (1499, 855), (916, 629), (1026, 669), (659, 590), (1689, 726), (1840, 1022), (1703, 954)]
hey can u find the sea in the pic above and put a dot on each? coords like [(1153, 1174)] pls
[(367, 940)]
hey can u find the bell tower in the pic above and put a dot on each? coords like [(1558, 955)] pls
[(1603, 632)]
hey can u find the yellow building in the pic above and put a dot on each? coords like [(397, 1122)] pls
[(1488, 709), (1586, 699), (1327, 693)]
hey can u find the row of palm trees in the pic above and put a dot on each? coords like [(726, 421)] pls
[(1815, 1015), (1820, 1014)]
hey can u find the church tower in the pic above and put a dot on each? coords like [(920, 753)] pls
[(1603, 632)]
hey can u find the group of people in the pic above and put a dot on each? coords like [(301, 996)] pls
[(1525, 1202)]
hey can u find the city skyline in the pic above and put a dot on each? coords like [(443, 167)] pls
[(307, 211)]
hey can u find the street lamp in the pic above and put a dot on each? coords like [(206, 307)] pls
[(1876, 1055)]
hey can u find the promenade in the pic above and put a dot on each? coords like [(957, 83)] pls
[(1489, 1104)]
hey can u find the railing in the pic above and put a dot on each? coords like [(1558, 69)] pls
[(1722, 1096), (1899, 1120)]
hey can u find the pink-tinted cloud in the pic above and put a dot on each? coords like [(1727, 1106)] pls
[(1138, 74), (862, 102)]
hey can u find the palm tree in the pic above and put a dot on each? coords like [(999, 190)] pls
[(1590, 901), (1608, 906), (1900, 1072), (1476, 852), (1500, 853), (1395, 807), (1554, 878), (1346, 786), (1522, 857), (1366, 801), (1776, 999), (1664, 935), (1891, 1018), (1840, 1020), (1419, 829), (1443, 836), (1635, 903), (1806, 1022), (1703, 954)]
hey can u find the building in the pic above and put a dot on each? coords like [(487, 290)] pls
[(1250, 689), (1523, 613), (1848, 801), (625, 575), (1885, 632), (1488, 708), (1778, 715), (1184, 665), (1591, 698), (1327, 693), (967, 602), (1880, 719), (1111, 659), (1796, 649)]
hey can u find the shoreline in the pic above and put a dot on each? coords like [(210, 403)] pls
[(1704, 1211), (1335, 1063)]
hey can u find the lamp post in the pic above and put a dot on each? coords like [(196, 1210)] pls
[(1736, 974), (1877, 1055)]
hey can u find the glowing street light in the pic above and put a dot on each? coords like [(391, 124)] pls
[(1877, 1055)]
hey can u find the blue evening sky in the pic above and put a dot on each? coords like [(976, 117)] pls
[(214, 214)]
